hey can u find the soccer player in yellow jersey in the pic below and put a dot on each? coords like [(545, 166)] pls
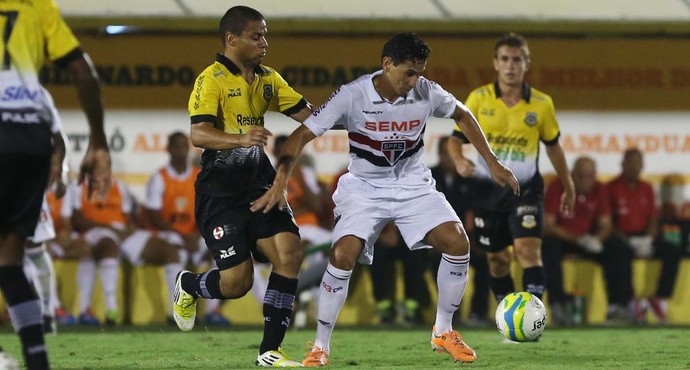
[(227, 108), (33, 31), (515, 118)]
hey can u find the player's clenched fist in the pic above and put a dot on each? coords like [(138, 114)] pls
[(257, 135)]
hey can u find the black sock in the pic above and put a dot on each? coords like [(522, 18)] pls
[(206, 285), (25, 312), (533, 279), (278, 304), (502, 286)]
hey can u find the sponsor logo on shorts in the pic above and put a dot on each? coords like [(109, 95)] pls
[(484, 240), (479, 222), (227, 252), (523, 210), (529, 222), (218, 232)]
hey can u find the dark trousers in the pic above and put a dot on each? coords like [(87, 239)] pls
[(615, 259), (383, 273), (670, 256)]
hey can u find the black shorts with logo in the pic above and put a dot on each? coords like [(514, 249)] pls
[(500, 216), (231, 230), (25, 152)]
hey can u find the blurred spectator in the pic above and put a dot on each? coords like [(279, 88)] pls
[(168, 235), (390, 247), (104, 221), (669, 244), (634, 214), (584, 233), (459, 192)]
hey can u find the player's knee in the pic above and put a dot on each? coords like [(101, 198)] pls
[(343, 259), (236, 288), (499, 263)]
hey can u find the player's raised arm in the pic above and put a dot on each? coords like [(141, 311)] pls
[(277, 194), (470, 127)]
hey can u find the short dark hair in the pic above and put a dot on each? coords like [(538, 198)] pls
[(235, 20), (405, 47), (513, 40), (177, 135)]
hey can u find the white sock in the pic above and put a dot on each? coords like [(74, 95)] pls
[(44, 278), (212, 305), (171, 271), (108, 268), (452, 281), (332, 292), (86, 273)]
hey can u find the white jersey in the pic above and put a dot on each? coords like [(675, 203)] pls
[(386, 138)]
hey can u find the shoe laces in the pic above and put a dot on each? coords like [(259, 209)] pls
[(455, 339), (315, 352)]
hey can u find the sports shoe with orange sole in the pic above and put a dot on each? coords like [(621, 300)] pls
[(316, 357), (452, 343)]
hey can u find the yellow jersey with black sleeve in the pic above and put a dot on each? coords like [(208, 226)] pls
[(222, 97), (514, 134), (31, 31)]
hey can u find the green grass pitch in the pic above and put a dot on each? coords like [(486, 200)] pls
[(363, 348)]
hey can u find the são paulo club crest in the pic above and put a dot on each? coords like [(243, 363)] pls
[(392, 150)]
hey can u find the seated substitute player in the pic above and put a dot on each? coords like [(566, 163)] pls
[(104, 220), (169, 210), (385, 114), (227, 110), (515, 118)]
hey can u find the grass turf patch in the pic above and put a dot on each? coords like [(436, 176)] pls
[(355, 348)]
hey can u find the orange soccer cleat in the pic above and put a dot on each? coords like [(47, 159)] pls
[(452, 343), (316, 357)]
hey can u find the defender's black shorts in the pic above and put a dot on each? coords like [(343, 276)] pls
[(231, 230), (495, 231), (23, 180)]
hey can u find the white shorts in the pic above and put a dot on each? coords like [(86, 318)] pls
[(95, 235), (315, 235), (363, 210), (45, 229), (134, 244)]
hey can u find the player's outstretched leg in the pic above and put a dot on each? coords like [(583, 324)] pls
[(452, 280), (184, 305)]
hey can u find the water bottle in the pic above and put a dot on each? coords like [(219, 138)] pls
[(578, 309)]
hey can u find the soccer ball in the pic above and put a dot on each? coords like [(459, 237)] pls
[(7, 362), (521, 317)]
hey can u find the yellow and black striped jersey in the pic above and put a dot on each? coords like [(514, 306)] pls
[(223, 97), (32, 31), (514, 133)]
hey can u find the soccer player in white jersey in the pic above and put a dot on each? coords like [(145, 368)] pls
[(385, 114), (43, 274)]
